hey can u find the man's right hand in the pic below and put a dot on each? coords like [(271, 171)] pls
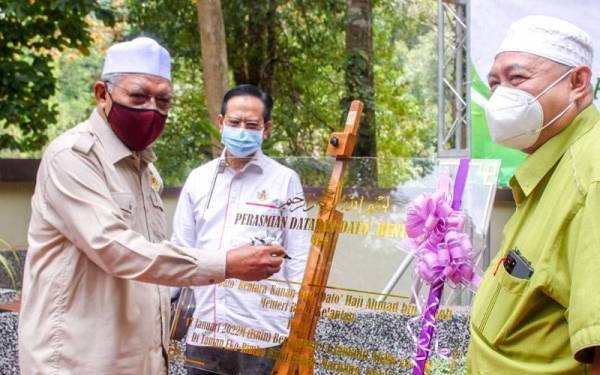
[(251, 263)]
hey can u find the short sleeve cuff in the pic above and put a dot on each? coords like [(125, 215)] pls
[(583, 343)]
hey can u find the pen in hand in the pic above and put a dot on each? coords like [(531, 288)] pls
[(275, 243), (267, 241)]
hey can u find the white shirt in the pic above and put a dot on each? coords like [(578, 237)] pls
[(230, 314)]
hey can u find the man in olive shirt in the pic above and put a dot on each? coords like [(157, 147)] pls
[(97, 246), (544, 317)]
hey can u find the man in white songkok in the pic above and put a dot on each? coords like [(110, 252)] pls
[(97, 249), (536, 311)]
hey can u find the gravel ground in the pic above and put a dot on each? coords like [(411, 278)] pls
[(379, 341)]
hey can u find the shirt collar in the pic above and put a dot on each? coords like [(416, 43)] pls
[(538, 164), (113, 146), (257, 163)]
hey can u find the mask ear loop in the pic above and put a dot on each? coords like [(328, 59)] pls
[(112, 101), (548, 124), (545, 126), (556, 117), (552, 85), (535, 98), (561, 112)]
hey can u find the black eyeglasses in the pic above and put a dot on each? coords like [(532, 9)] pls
[(246, 124), (139, 97)]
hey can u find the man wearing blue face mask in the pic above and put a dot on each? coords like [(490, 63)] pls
[(536, 311), (251, 198)]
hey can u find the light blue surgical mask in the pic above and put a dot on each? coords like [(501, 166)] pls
[(241, 142)]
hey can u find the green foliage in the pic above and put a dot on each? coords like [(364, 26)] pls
[(6, 264), (359, 79), (405, 76), (174, 23), (185, 143), (298, 49), (441, 366), (74, 98), (307, 76), (293, 49), (30, 34)]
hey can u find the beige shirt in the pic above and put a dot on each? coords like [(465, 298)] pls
[(90, 302)]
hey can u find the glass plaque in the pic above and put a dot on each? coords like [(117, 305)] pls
[(368, 317)]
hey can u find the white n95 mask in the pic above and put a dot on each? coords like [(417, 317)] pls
[(515, 117)]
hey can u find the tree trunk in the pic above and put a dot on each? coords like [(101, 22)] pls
[(214, 58), (252, 35), (360, 83)]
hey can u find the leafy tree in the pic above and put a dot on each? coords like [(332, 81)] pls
[(359, 78), (308, 80), (31, 33), (405, 76), (406, 96), (215, 72), (304, 78), (74, 99), (186, 142), (302, 57)]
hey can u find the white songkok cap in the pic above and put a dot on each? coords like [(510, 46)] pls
[(140, 55), (551, 38)]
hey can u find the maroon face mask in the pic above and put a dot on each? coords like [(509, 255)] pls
[(137, 128)]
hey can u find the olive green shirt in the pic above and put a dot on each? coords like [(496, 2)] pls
[(549, 323)]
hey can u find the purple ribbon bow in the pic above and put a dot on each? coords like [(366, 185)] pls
[(444, 253)]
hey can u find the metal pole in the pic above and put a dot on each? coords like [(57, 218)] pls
[(440, 80), (468, 73), (459, 108), (454, 79), (394, 280)]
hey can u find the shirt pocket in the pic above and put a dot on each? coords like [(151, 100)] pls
[(126, 203), (495, 306), (158, 220)]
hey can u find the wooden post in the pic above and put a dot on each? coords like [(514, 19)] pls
[(297, 354)]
